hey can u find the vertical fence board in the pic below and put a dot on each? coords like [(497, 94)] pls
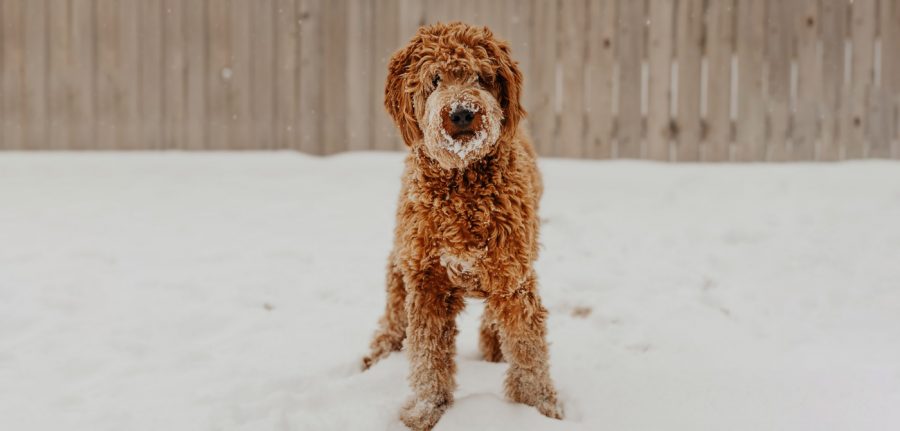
[(439, 11), (386, 40), (809, 69), (572, 53), (518, 28), (751, 106), (219, 72), (493, 15), (239, 85), (310, 99), (172, 132), (196, 28), (287, 48), (57, 79), (359, 81), (862, 77), (543, 88), (881, 102), (833, 27), (334, 132), (2, 74), (35, 74), (659, 46), (690, 39), (80, 62), (262, 74), (601, 58), (779, 40), (117, 74), (108, 45), (891, 57), (720, 50), (631, 26), (12, 74), (151, 61)]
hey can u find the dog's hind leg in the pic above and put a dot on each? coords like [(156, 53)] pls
[(489, 337), (522, 322), (392, 326)]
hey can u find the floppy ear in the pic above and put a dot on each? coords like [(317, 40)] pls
[(509, 78), (398, 95)]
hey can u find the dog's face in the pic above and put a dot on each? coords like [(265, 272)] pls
[(454, 90)]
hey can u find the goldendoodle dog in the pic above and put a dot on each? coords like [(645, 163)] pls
[(467, 220)]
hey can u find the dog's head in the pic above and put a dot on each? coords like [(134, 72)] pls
[(455, 91)]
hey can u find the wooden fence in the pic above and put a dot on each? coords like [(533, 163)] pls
[(686, 80)]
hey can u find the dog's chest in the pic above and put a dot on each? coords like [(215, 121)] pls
[(464, 271), (461, 238)]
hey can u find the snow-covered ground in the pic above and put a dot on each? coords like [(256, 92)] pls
[(239, 291)]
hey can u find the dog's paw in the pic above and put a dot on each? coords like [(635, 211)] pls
[(422, 414), (550, 408), (372, 358), (367, 363)]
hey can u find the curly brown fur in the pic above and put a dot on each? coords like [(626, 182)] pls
[(467, 222)]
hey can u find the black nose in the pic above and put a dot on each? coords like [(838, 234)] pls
[(462, 117)]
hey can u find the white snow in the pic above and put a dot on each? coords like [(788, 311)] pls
[(239, 291)]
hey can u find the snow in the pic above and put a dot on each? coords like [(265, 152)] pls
[(222, 291)]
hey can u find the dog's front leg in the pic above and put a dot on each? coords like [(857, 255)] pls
[(522, 322), (431, 305)]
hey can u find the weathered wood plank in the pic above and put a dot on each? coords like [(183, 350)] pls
[(239, 98), (891, 57), (881, 111), (117, 74), (81, 67), (779, 40), (35, 75), (196, 29), (833, 19), (174, 69), (58, 77), (862, 79), (334, 131), (543, 87), (262, 75), (572, 55), (601, 73), (310, 102), (659, 93), (12, 97), (518, 28), (286, 74), (108, 48), (720, 51), (751, 105), (631, 22), (151, 61), (219, 73), (359, 70), (690, 49), (492, 14), (386, 39), (809, 68)]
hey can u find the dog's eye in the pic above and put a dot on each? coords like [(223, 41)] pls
[(435, 80)]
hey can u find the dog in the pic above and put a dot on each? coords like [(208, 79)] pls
[(467, 220)]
